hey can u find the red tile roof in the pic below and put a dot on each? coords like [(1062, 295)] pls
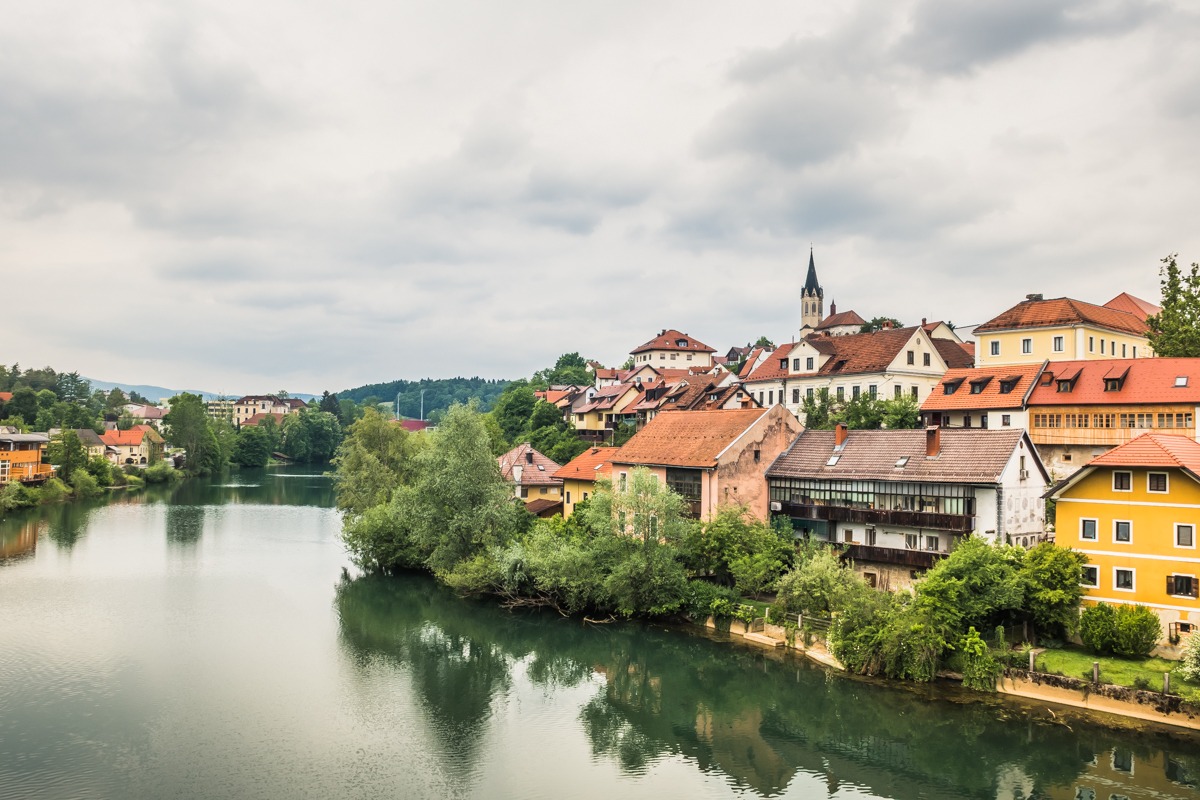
[(413, 425), (770, 369), (588, 465), (1019, 380), (841, 318), (1153, 450), (538, 472), (260, 416), (859, 353), (1146, 380), (130, 438), (5, 397), (543, 507), (693, 439), (1063, 311), (1133, 305), (671, 340)]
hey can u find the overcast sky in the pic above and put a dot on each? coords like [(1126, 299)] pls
[(242, 197)]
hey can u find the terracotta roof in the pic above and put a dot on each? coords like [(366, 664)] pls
[(859, 353), (770, 370), (969, 348), (543, 506), (967, 455), (694, 439), (750, 363), (1063, 311), (989, 380), (955, 354), (593, 462), (260, 416), (1153, 450), (413, 425), (607, 397), (606, 374), (5, 397), (538, 472), (1133, 305), (674, 340), (130, 438), (841, 318), (1146, 380)]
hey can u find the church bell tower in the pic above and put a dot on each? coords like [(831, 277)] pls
[(812, 298)]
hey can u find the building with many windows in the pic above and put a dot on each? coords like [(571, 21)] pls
[(673, 349), (1134, 511), (1060, 329), (898, 501), (982, 397)]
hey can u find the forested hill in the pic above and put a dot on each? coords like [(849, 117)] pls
[(440, 394)]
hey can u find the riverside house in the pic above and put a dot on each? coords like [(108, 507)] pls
[(579, 476), (21, 456), (900, 500), (1134, 511), (711, 458), (532, 476)]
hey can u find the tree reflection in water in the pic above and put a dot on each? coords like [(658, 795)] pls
[(761, 721)]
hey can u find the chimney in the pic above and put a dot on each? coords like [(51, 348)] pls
[(840, 432), (887, 325), (1033, 297), (923, 322), (933, 441)]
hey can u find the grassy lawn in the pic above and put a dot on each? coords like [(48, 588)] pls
[(1074, 663)]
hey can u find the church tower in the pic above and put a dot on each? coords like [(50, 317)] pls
[(812, 298)]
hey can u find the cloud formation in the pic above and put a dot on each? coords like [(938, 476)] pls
[(198, 194)]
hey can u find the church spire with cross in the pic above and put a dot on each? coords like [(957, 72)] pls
[(812, 297)]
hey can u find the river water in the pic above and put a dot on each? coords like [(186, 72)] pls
[(213, 641)]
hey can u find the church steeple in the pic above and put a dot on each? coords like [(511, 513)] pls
[(812, 297)]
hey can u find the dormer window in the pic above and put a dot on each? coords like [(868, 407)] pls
[(1008, 384), (977, 385), (681, 342), (1112, 384), (1064, 386), (950, 387), (783, 363)]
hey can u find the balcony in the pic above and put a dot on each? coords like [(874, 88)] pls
[(27, 473), (924, 520), (916, 559)]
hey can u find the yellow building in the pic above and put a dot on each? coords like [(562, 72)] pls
[(605, 409), (1135, 512), (1059, 329), (579, 476)]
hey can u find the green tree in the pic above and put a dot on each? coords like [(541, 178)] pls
[(979, 584), (820, 584), (24, 404), (189, 427), (569, 370), (818, 410), (115, 399), (763, 341), (251, 447), (1175, 330), (311, 437), (67, 453), (1052, 578), (513, 410), (901, 413), (330, 405), (373, 460), (877, 324), (860, 413)]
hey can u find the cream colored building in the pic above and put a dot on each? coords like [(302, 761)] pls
[(1059, 329)]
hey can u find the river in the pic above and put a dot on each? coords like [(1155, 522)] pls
[(212, 640)]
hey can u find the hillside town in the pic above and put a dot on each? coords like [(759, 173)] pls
[(1053, 401)]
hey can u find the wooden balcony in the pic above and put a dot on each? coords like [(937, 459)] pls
[(28, 473), (916, 559), (924, 520)]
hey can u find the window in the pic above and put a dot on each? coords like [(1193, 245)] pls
[(1090, 576), (1101, 347), (1185, 535), (855, 391), (1122, 481), (1181, 585), (1058, 344), (950, 387), (809, 393), (931, 543), (543, 490), (873, 390), (914, 392), (1156, 482), (795, 396), (966, 420), (899, 390), (1026, 346), (568, 498), (977, 387), (1112, 384), (910, 541), (995, 348), (623, 482), (1087, 530), (1005, 420), (757, 455), (1007, 385), (808, 363), (760, 398), (524, 491), (841, 393), (983, 422), (795, 365), (925, 359), (1123, 351), (689, 355), (771, 397), (1122, 531), (1091, 344), (1123, 579), (912, 357), (1181, 382)]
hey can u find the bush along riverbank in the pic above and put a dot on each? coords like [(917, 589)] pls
[(84, 481), (437, 502)]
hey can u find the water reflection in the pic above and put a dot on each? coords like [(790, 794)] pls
[(184, 524), (767, 724), (68, 522), (19, 539)]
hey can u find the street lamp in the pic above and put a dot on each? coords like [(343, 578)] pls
[(397, 406)]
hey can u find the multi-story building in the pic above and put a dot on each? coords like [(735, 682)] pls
[(1060, 329), (604, 409), (140, 445), (673, 349), (1080, 409), (246, 407), (711, 457), (1134, 511), (982, 397), (531, 474), (890, 363), (900, 500), (579, 476), (21, 456)]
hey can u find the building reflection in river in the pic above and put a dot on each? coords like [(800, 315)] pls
[(767, 724), (20, 540)]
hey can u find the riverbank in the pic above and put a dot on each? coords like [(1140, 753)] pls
[(1102, 701)]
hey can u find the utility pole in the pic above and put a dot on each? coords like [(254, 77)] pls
[(422, 405), (397, 406)]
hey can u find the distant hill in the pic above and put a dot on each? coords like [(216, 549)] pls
[(156, 393), (440, 394)]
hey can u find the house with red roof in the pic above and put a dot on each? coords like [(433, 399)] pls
[(710, 458), (140, 445), (898, 501), (842, 323), (604, 409), (531, 474), (246, 407), (579, 476), (1061, 329), (889, 363), (982, 397), (1134, 512), (1133, 305), (673, 349), (1080, 409)]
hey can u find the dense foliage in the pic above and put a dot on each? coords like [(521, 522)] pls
[(1175, 330), (822, 412), (440, 394), (1124, 630)]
